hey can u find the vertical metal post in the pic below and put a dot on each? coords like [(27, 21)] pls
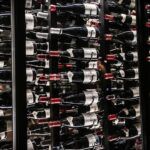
[(144, 72), (18, 75)]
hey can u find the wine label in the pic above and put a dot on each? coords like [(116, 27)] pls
[(29, 21), (47, 113), (91, 32), (70, 51), (90, 9), (41, 35), (136, 70), (9, 125), (123, 18), (135, 56), (122, 55), (28, 4), (2, 136), (94, 108), (2, 63), (34, 113), (138, 127), (90, 76), (132, 4), (1, 113), (56, 31), (30, 145), (70, 76), (37, 98), (93, 65), (70, 120), (91, 97), (29, 75), (122, 73), (93, 140), (126, 131), (137, 110), (133, 20), (43, 15), (134, 41), (30, 98), (90, 119), (47, 64), (135, 91), (90, 53), (120, 1), (126, 111), (29, 48)]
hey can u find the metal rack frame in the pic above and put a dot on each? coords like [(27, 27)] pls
[(19, 75), (144, 72)]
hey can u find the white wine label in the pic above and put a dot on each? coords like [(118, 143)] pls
[(9, 125), (70, 51), (41, 35), (90, 53), (133, 20), (50, 147), (94, 108), (1, 113), (134, 41), (91, 32), (137, 110), (92, 139), (90, 119), (47, 113), (132, 4), (70, 120), (135, 56), (30, 145), (126, 111), (91, 97), (30, 98), (70, 76), (29, 75), (2, 136), (136, 70), (90, 76), (122, 73), (29, 48), (37, 98), (56, 31), (93, 65), (123, 18), (122, 55), (135, 91), (47, 47), (29, 21), (42, 15), (126, 131), (120, 1), (34, 113), (47, 64), (90, 9), (2, 63), (139, 128), (28, 4)]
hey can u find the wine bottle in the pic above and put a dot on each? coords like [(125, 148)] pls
[(5, 47), (31, 75), (33, 48), (88, 141), (133, 111), (5, 19), (5, 99), (5, 75), (35, 4), (129, 3), (87, 120), (33, 98), (35, 22), (38, 63), (5, 61), (127, 74), (39, 114), (86, 8), (90, 32), (122, 18), (86, 98)]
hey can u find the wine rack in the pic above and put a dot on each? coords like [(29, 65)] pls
[(78, 78)]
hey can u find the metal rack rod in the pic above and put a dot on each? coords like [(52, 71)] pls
[(18, 75)]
